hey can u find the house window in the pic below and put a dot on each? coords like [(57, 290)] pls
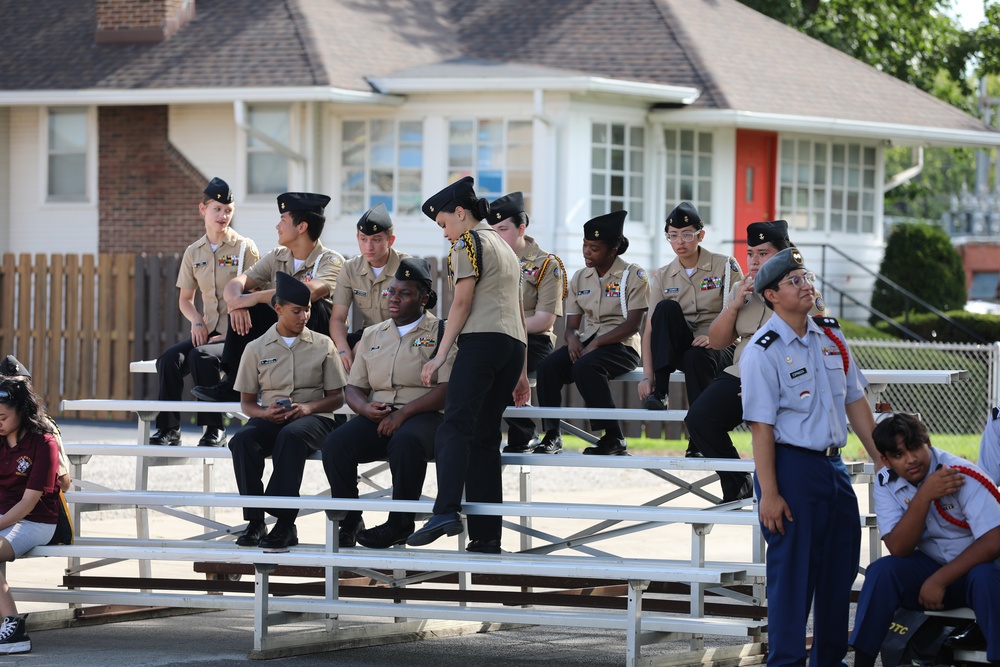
[(496, 152), (267, 165), (689, 170), (828, 186), (984, 286), (617, 163), (67, 147), (382, 163)]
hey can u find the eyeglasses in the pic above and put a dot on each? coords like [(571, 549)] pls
[(4, 393), (687, 237), (800, 280)]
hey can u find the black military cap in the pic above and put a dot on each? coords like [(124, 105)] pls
[(766, 232), (607, 227), (459, 190), (776, 268), (506, 207), (291, 289), (9, 365), (685, 215), (414, 268), (375, 220), (302, 201), (218, 190)]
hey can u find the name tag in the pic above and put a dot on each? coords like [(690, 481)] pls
[(672, 290), (798, 373), (377, 347), (583, 292), (361, 292), (200, 264), (272, 360)]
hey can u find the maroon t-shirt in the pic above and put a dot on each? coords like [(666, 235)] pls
[(33, 463)]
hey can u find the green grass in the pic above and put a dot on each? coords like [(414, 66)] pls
[(966, 446)]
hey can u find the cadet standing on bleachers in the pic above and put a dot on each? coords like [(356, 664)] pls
[(543, 287), (364, 282), (800, 388), (300, 381), (207, 266), (301, 254)]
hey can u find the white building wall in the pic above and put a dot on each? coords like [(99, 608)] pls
[(4, 179)]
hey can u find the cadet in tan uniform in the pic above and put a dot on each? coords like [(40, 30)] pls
[(487, 321), (398, 416), (301, 254), (604, 309), (208, 264), (543, 287), (364, 282), (685, 297), (299, 379)]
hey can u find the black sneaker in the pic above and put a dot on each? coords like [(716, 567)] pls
[(551, 443), (522, 448), (13, 635), (166, 437), (656, 402), (608, 445), (217, 393)]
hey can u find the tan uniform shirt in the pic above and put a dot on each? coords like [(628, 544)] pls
[(543, 284), (303, 372), (599, 299), (357, 284), (495, 302), (702, 295), (388, 367), (208, 271), (322, 264)]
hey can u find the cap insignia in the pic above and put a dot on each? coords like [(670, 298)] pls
[(407, 273), (796, 256), (761, 237), (498, 216), (597, 233), (685, 218), (282, 206), (218, 196), (431, 208)]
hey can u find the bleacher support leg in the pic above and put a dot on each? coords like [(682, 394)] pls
[(633, 642)]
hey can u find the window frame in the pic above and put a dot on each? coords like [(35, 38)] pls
[(90, 159), (701, 173), (633, 198), (367, 171), (453, 173), (292, 161)]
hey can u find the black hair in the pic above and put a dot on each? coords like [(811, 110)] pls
[(432, 297), (278, 301), (900, 427), (520, 219), (316, 221), (477, 207), (17, 393), (620, 245)]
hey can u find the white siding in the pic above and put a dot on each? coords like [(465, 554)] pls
[(5, 179)]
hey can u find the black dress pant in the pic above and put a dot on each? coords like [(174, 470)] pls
[(709, 420), (171, 367), (592, 374), (262, 316), (521, 430), (467, 445), (408, 450), (670, 344), (289, 445)]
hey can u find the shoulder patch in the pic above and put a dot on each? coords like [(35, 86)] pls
[(459, 244), (641, 275), (820, 305), (734, 266), (766, 340), (824, 321), (337, 260), (252, 247), (996, 413)]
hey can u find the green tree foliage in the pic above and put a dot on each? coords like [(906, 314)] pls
[(921, 259)]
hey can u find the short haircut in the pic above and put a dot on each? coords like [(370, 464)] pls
[(900, 427), (314, 220)]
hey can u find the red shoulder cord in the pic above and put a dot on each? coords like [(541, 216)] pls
[(840, 346), (976, 476)]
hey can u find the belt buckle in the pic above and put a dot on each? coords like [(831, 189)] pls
[(830, 452)]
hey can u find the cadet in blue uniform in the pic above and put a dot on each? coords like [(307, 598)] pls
[(800, 387), (989, 447), (942, 530), (487, 320)]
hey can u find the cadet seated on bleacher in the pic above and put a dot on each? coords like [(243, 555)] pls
[(989, 447), (248, 296), (299, 379), (942, 530), (398, 416)]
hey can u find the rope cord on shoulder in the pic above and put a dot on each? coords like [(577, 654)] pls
[(840, 346), (979, 478)]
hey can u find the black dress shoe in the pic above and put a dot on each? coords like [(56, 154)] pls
[(484, 546), (282, 536), (551, 443), (349, 534), (253, 534), (692, 452), (522, 447), (166, 436), (437, 526), (608, 446), (655, 402), (970, 638), (384, 536), (215, 436), (746, 491), (217, 393)]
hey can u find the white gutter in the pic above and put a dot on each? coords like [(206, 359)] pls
[(579, 84), (208, 95), (904, 134)]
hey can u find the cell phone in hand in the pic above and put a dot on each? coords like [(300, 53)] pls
[(284, 403)]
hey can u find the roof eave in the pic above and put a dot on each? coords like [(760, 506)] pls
[(901, 134), (143, 96), (578, 84)]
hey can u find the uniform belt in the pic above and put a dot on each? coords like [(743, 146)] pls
[(828, 452)]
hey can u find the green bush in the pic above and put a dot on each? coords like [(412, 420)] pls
[(921, 259), (936, 330)]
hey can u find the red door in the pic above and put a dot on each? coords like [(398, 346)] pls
[(756, 162)]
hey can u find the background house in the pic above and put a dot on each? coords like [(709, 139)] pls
[(113, 114)]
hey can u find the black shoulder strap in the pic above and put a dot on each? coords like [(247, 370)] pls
[(766, 340), (824, 321), (441, 324), (996, 413)]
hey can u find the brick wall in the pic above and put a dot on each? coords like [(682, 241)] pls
[(148, 192), (131, 21), (979, 257)]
